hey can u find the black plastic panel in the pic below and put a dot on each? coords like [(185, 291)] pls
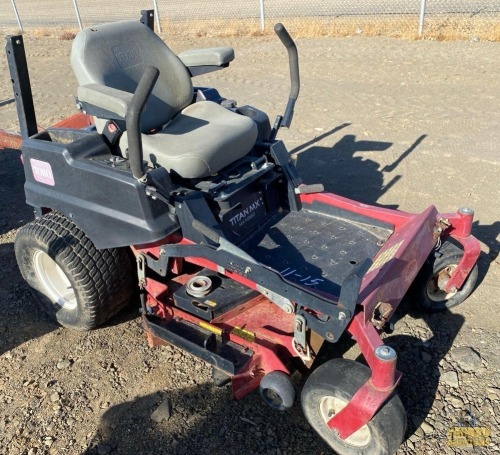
[(72, 171)]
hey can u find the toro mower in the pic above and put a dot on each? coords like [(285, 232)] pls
[(172, 191)]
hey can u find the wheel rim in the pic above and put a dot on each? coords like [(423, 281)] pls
[(439, 280), (329, 406), (272, 398), (54, 281)]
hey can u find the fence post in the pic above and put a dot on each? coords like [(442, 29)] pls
[(262, 17), (17, 16), (77, 12), (157, 15), (421, 19)]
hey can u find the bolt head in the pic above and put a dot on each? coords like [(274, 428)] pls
[(288, 309), (384, 352), (466, 211), (342, 316)]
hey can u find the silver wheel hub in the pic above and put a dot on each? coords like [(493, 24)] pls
[(435, 286), (55, 283), (329, 406)]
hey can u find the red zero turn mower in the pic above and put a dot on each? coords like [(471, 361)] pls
[(238, 262)]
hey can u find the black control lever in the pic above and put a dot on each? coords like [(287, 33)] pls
[(293, 59), (133, 120)]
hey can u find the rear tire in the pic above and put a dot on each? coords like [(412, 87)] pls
[(329, 388), (79, 286), (426, 292)]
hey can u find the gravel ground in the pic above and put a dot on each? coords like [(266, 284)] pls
[(400, 124)]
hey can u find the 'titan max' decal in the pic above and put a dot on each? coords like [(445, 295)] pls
[(247, 213)]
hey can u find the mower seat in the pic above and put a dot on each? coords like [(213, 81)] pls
[(194, 140)]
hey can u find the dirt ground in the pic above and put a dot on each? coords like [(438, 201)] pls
[(393, 123)]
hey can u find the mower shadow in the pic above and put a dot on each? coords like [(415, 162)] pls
[(22, 319), (345, 174), (14, 212), (419, 360), (488, 234), (204, 420)]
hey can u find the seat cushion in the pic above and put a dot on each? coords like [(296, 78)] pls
[(200, 141)]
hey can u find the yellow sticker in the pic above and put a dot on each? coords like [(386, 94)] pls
[(385, 257), (469, 436), (210, 303), (211, 328), (243, 333)]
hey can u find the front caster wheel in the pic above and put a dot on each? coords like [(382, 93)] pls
[(427, 288), (329, 388)]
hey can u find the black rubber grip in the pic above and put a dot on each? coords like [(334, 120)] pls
[(206, 231), (283, 35), (293, 59), (133, 119)]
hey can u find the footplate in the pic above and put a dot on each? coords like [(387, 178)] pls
[(316, 250)]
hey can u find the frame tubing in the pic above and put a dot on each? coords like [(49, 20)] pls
[(374, 392)]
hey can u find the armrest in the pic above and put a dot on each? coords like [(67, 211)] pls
[(215, 56), (104, 102)]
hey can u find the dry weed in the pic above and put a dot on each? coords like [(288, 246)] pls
[(67, 35), (462, 27), (39, 32), (404, 27), (442, 28)]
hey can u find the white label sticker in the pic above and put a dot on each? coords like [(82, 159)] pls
[(42, 172)]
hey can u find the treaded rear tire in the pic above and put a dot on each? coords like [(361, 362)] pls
[(102, 280)]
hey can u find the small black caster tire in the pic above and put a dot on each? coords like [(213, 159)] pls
[(426, 293), (79, 286), (277, 390), (329, 388)]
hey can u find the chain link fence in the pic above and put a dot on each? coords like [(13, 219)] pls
[(440, 19)]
